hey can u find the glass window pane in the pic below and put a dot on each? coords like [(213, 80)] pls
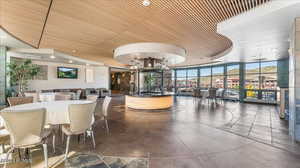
[(218, 70), (205, 71), (269, 81), (252, 68), (181, 82), (267, 67), (192, 82), (168, 84), (233, 81), (181, 73), (218, 81), (252, 81), (167, 73), (233, 69), (192, 72), (205, 81)]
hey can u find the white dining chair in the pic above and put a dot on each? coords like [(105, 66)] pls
[(23, 132), (81, 116), (105, 107)]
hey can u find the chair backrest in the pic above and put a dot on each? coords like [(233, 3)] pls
[(105, 105), (81, 116), (92, 97), (23, 131), (12, 101)]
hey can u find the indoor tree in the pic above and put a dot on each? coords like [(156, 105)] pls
[(21, 72)]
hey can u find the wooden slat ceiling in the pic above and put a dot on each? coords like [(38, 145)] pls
[(95, 27)]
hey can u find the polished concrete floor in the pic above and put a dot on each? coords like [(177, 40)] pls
[(193, 134)]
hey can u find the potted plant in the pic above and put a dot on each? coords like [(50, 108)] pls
[(20, 73)]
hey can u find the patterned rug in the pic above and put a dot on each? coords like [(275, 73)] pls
[(90, 160), (81, 160)]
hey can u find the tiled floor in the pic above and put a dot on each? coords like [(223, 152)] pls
[(195, 135)]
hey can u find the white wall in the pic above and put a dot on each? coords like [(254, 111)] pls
[(101, 76)]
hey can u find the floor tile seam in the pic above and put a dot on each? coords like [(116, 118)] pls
[(252, 124), (258, 141)]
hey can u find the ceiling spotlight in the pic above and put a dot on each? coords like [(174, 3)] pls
[(73, 51), (87, 64), (52, 57), (70, 61), (146, 2)]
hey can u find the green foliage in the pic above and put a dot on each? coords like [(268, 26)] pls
[(149, 81), (21, 72)]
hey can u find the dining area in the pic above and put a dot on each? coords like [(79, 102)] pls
[(29, 123), (210, 96)]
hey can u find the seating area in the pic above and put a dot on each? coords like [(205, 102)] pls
[(149, 84), (70, 117)]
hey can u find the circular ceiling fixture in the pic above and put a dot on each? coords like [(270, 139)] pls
[(149, 55), (146, 2)]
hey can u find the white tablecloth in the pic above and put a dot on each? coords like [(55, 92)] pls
[(57, 111)]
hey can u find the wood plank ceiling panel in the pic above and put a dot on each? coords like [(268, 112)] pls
[(24, 18), (94, 28)]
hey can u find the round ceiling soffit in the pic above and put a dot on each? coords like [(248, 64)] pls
[(170, 53)]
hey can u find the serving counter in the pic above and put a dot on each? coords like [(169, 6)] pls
[(149, 102)]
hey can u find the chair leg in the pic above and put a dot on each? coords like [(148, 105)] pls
[(106, 125), (45, 155), (93, 138), (53, 142), (3, 148), (84, 135), (7, 155), (67, 146)]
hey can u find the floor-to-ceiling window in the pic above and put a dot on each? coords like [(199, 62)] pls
[(192, 78), (232, 81), (186, 80), (168, 80), (261, 81), (217, 77), (205, 77)]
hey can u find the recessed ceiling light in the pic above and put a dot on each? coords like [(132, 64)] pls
[(52, 57), (87, 64), (73, 51), (146, 2), (70, 61)]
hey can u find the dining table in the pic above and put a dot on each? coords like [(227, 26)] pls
[(57, 112)]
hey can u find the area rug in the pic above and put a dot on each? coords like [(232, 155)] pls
[(81, 160), (90, 160)]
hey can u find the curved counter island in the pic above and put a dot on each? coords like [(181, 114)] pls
[(149, 102)]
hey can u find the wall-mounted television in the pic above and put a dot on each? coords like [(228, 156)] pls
[(67, 73)]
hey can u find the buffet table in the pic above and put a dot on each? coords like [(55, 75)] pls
[(149, 102)]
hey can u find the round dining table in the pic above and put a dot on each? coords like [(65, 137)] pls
[(57, 112)]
